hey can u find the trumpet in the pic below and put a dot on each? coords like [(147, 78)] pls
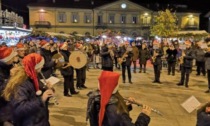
[(141, 105), (45, 83)]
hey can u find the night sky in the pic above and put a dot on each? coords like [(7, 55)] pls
[(203, 6)]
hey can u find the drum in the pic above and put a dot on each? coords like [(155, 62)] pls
[(78, 59), (60, 59)]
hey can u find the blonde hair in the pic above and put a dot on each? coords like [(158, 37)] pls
[(16, 79)]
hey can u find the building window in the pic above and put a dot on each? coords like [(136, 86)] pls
[(134, 19), (41, 16), (75, 17), (191, 21), (145, 19), (62, 17), (111, 19), (123, 19), (87, 18), (100, 20)]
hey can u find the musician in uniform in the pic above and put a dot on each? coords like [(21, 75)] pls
[(81, 72), (135, 52), (126, 57), (7, 57), (186, 67), (106, 58), (156, 61), (171, 58), (67, 72), (107, 107), (23, 91), (144, 55), (200, 61), (49, 65)]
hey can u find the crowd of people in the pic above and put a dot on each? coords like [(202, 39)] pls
[(22, 67)]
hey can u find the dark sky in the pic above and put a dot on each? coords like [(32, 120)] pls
[(20, 6)]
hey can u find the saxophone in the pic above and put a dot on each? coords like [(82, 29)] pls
[(181, 59), (122, 59), (154, 56), (111, 52)]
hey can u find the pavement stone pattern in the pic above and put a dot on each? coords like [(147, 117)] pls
[(165, 97)]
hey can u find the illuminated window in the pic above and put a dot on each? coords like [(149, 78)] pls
[(111, 19), (145, 19), (123, 19), (134, 19), (191, 20), (75, 17), (87, 18), (62, 17)]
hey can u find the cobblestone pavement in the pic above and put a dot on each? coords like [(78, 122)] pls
[(165, 97)]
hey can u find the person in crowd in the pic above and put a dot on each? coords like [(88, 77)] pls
[(200, 60), (106, 106), (67, 72), (171, 59), (81, 72), (157, 61), (186, 64), (7, 58), (207, 66), (49, 65), (144, 55), (116, 56), (126, 59), (96, 52), (32, 47), (203, 115), (21, 50), (135, 52), (106, 57), (24, 93)]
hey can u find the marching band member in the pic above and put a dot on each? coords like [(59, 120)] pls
[(135, 52), (106, 58), (207, 66), (68, 72), (171, 58), (109, 107), (144, 55), (47, 69), (81, 73), (156, 61), (200, 61), (23, 91), (126, 55), (7, 57), (186, 66)]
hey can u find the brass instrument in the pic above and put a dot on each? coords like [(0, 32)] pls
[(45, 83), (154, 56), (139, 104), (123, 58), (111, 52), (181, 59)]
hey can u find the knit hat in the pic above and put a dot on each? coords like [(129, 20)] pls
[(20, 46), (63, 45), (7, 53), (44, 43), (108, 85), (31, 63), (79, 46)]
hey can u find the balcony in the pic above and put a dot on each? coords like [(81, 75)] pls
[(145, 25), (191, 27), (101, 26), (42, 24)]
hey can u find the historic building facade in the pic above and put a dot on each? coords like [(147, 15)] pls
[(86, 17)]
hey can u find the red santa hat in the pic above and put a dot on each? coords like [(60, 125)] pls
[(20, 46), (31, 63), (79, 46), (187, 42), (63, 45), (7, 53), (44, 43), (108, 85)]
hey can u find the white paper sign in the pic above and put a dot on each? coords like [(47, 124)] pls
[(191, 104), (52, 80)]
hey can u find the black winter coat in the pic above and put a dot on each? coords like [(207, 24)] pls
[(5, 108), (47, 69), (171, 55), (158, 60), (199, 55), (69, 70), (106, 60), (28, 108), (144, 55), (128, 60), (203, 118), (188, 59)]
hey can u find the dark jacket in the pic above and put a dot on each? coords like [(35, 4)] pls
[(171, 55), (5, 108), (28, 108), (207, 60), (69, 70), (106, 60), (158, 60), (203, 118), (128, 59), (47, 69), (199, 55), (188, 59), (144, 55)]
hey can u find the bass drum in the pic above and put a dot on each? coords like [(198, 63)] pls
[(78, 59)]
